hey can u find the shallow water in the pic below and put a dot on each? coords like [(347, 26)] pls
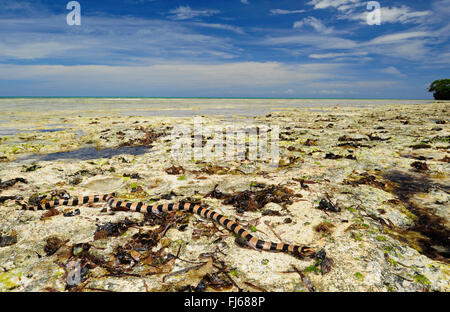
[(8, 131), (52, 130), (178, 107), (86, 153)]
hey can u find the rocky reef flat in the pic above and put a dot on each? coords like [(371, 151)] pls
[(367, 187)]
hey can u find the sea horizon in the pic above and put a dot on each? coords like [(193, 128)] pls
[(213, 97)]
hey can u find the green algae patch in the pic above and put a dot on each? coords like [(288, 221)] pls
[(10, 280), (313, 268), (381, 238), (422, 279), (359, 276)]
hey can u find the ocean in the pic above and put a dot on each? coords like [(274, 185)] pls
[(174, 107)]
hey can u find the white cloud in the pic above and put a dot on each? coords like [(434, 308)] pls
[(357, 10), (411, 45), (284, 12), (185, 12), (402, 15), (442, 58), (34, 50), (412, 51), (102, 40), (163, 77), (11, 5), (190, 79), (315, 23), (343, 5), (235, 29), (319, 42), (345, 84), (391, 70), (245, 2), (442, 8), (397, 37), (335, 55)]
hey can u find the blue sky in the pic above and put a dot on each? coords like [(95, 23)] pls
[(227, 48)]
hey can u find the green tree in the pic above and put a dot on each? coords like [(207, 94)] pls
[(441, 89)]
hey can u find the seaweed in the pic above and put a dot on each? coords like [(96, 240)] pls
[(72, 213), (77, 177), (367, 179), (292, 148), (310, 142), (254, 200), (8, 240), (326, 263), (150, 136), (53, 244), (217, 281), (442, 139), (352, 145), (215, 193), (175, 170), (420, 166), (81, 249), (132, 176), (13, 197), (304, 183), (420, 146), (270, 212), (346, 138), (431, 229), (50, 213), (11, 183), (112, 229), (326, 205), (31, 168), (324, 228), (333, 156), (143, 242), (215, 169)]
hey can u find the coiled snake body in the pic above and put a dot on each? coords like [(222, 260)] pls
[(192, 208)]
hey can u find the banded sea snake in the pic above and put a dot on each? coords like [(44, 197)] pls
[(192, 208)]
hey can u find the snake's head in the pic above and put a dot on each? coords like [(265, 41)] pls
[(306, 251)]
